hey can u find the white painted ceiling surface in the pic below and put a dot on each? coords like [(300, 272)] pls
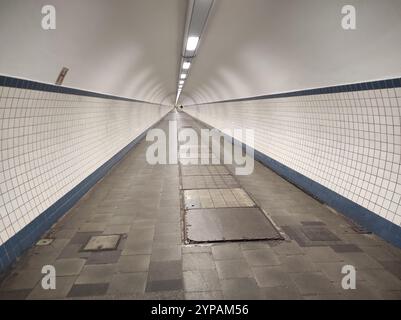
[(122, 47), (258, 47), (250, 47)]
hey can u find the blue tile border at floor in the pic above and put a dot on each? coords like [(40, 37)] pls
[(366, 218), (361, 86), (25, 238)]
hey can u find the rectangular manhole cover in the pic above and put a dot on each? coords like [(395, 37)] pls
[(100, 243), (209, 182), (229, 224), (203, 170), (216, 198)]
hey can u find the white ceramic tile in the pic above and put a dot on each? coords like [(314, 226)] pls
[(348, 142), (50, 142)]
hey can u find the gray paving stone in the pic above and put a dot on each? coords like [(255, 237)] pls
[(271, 277), (135, 263), (322, 254), (263, 257), (73, 251), (64, 233), (140, 235), (169, 253), (362, 291), (228, 269), (20, 294), (287, 248), (381, 279), (346, 248), (140, 247), (204, 295), (24, 279), (227, 251), (92, 227), (164, 285), (128, 283), (82, 237), (104, 257), (168, 238), (319, 234), (281, 293), (117, 229), (68, 267), (88, 290), (255, 245), (201, 280), (309, 283), (96, 274), (165, 270), (241, 289), (202, 248), (297, 263), (198, 261), (380, 253), (63, 287), (332, 270), (394, 267), (360, 260)]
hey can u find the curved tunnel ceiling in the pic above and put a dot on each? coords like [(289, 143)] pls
[(132, 48), (120, 47), (259, 47)]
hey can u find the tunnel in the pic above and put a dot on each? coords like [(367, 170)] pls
[(200, 150)]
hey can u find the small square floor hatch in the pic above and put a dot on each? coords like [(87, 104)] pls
[(216, 198), (44, 242), (228, 224), (100, 243)]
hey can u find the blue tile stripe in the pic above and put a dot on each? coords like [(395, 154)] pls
[(25, 238), (366, 218), (371, 85), (12, 82)]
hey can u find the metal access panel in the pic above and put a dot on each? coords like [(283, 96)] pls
[(228, 224), (209, 182), (103, 242)]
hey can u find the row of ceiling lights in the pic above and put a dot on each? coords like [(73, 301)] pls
[(191, 46), (197, 15)]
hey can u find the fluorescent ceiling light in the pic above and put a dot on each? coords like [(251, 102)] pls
[(183, 76), (192, 43), (186, 65)]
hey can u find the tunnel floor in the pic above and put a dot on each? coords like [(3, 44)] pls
[(151, 259)]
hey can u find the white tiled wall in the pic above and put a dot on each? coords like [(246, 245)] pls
[(50, 142), (348, 142)]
